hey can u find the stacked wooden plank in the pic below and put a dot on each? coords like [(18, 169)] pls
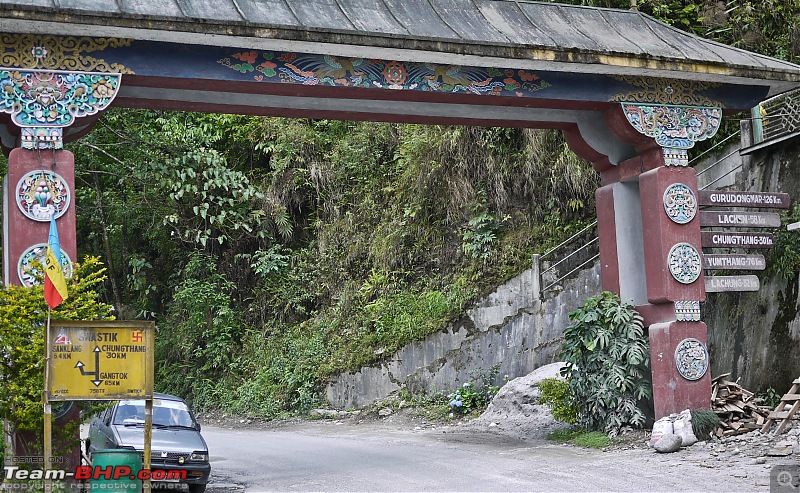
[(736, 407)]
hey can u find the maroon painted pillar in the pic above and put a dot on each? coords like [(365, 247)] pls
[(40, 183), (650, 248), (607, 236), (673, 266), (680, 379)]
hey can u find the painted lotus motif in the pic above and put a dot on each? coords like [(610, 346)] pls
[(42, 194)]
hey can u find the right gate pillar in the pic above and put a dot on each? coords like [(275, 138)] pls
[(650, 245)]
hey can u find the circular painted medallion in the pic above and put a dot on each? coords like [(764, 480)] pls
[(61, 409), (684, 263), (31, 265), (691, 359), (42, 194), (680, 203)]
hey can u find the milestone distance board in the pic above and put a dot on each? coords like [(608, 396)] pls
[(719, 239), (716, 261), (100, 360), (743, 199), (740, 219), (722, 284)]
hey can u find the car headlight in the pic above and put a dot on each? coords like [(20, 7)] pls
[(199, 456)]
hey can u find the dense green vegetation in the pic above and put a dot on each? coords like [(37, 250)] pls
[(274, 253)]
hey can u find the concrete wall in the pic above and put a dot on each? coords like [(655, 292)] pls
[(508, 327), (718, 169)]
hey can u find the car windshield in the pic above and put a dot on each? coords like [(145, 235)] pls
[(165, 413)]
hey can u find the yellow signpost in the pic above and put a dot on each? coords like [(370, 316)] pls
[(100, 360), (105, 360)]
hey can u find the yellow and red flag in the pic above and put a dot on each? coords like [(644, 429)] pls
[(55, 285)]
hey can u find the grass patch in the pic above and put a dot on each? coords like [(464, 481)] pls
[(563, 435), (581, 438), (592, 439)]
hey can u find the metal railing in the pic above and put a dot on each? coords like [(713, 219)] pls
[(718, 161), (777, 118), (551, 274)]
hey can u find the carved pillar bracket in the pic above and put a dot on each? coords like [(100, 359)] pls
[(675, 128), (42, 103)]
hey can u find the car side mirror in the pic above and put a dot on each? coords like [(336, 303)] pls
[(197, 425)]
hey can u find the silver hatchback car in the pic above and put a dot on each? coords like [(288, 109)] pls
[(176, 445)]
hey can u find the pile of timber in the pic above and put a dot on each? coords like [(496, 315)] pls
[(737, 408)]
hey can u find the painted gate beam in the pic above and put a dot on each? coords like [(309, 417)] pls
[(535, 36)]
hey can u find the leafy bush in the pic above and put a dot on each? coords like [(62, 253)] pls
[(769, 397), (608, 361), (470, 397), (23, 317), (556, 395)]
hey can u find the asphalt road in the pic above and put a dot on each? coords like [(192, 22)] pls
[(330, 456)]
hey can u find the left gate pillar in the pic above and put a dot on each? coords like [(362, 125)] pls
[(41, 107), (650, 243), (39, 185)]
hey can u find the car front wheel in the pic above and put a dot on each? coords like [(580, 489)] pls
[(197, 488)]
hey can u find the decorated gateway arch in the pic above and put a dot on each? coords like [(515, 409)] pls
[(631, 95)]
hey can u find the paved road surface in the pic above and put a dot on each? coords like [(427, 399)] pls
[(325, 456)]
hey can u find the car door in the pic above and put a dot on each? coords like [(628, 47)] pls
[(100, 434)]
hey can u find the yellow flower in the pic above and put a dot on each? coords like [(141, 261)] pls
[(102, 89)]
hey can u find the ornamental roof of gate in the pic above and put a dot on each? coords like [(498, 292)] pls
[(550, 36)]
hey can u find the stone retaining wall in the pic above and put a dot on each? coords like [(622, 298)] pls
[(508, 327)]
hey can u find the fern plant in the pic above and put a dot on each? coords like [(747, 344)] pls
[(608, 362)]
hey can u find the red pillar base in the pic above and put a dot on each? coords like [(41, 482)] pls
[(672, 392)]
